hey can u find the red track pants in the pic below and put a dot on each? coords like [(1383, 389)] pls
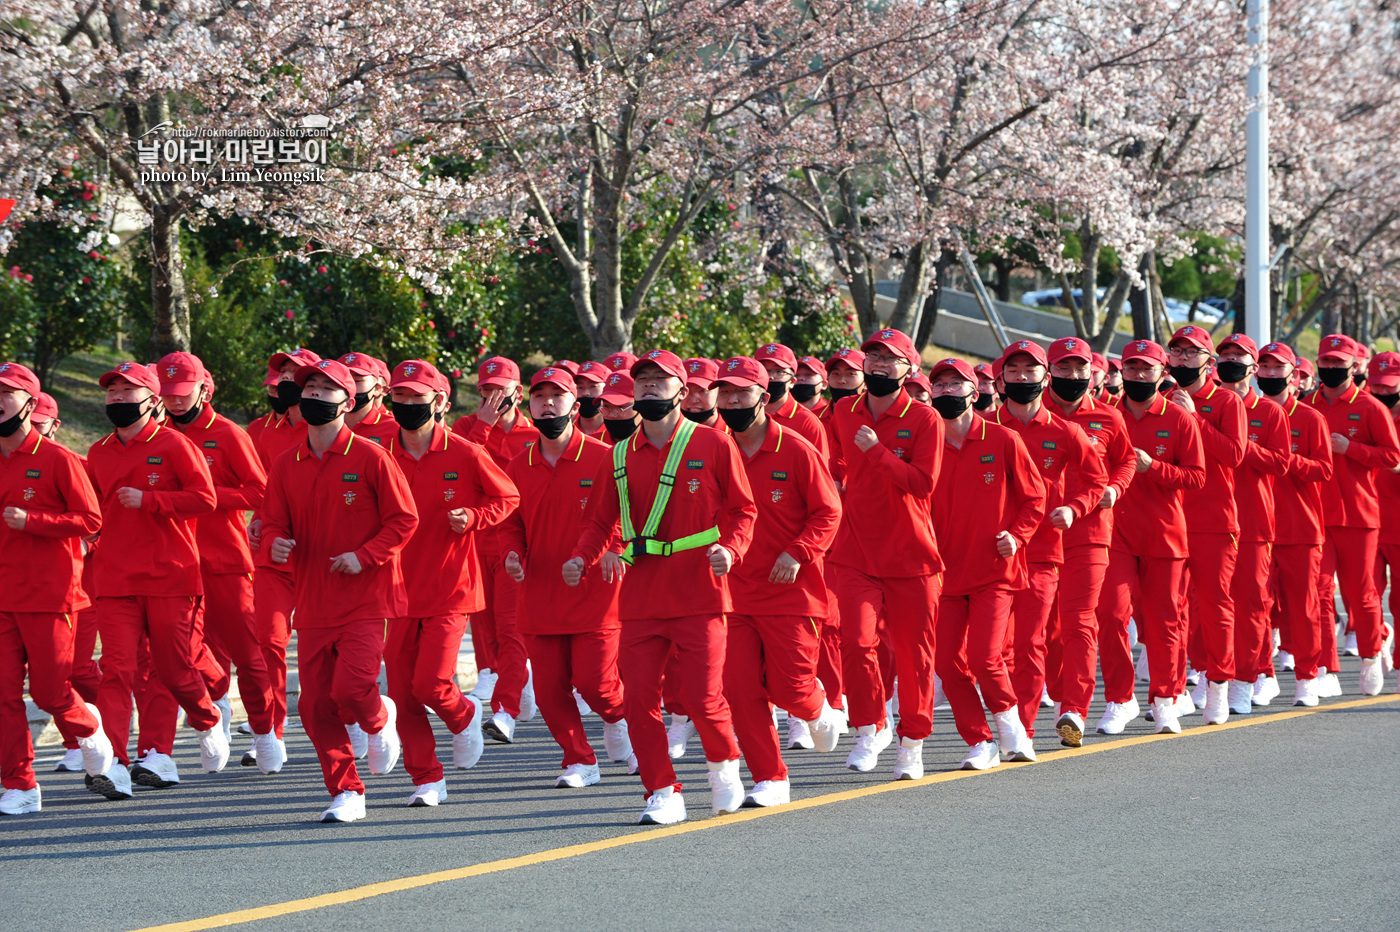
[(1249, 589), (42, 645), (274, 597), (770, 659), (587, 662), (505, 646), (1161, 626), (1296, 571), (1077, 600), (1349, 553), (420, 662), (339, 669), (157, 710), (1212, 608), (1389, 555), (230, 630), (1026, 639), (971, 652)]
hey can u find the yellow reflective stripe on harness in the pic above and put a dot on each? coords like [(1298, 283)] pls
[(646, 542)]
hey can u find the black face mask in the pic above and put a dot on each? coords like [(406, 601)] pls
[(619, 429), (361, 401), (279, 407), (316, 411), (1023, 393), (983, 402), (11, 424), (1068, 389), (410, 416), (1231, 371), (739, 419), (949, 406), (1332, 377), (1387, 400), (126, 413), (1184, 375), (699, 417), (838, 393), (1359, 378), (654, 409), (1272, 386), (804, 392), (1113, 389), (505, 405), (589, 407), (189, 416), (288, 394), (1140, 391), (777, 391), (881, 386), (552, 427)]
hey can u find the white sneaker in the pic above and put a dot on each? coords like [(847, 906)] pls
[(1305, 693), (359, 741), (909, 765), (1265, 690), (1241, 697), (1372, 676), (96, 749), (1140, 668), (21, 802), (1184, 706), (1285, 660), (664, 807), (678, 735), (269, 754), (500, 728), (799, 735), (226, 712), (766, 793), (384, 747), (1200, 693), (1349, 647), (577, 776), (982, 756), (726, 786), (428, 794), (1328, 685), (827, 728), (485, 685), (1217, 708), (1045, 701), (617, 743), (940, 701), (869, 743), (468, 744), (346, 807), (244, 728), (1070, 727), (114, 784), (213, 746), (1117, 716), (583, 710), (527, 696), (1013, 742), (632, 765), (1164, 716), (1277, 638), (250, 756), (72, 762), (1132, 633), (1388, 650), (155, 770), (1194, 676)]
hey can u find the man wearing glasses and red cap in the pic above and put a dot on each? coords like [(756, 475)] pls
[(885, 565), (1364, 444), (781, 365), (1149, 547), (680, 538), (153, 485), (459, 492), (48, 506), (572, 633), (369, 418), (339, 491)]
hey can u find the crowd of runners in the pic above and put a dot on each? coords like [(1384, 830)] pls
[(855, 542)]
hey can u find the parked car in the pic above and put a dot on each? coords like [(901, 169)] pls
[(1054, 297)]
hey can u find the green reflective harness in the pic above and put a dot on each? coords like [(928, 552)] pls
[(646, 542)]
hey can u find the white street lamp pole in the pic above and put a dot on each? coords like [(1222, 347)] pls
[(1257, 320)]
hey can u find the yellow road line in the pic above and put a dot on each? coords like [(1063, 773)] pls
[(684, 828)]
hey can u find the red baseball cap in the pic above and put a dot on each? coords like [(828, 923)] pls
[(986, 371), (180, 373), (1383, 369), (557, 376), (847, 357), (496, 372), (1244, 342), (1195, 336), (419, 376), (591, 372), (996, 368), (1146, 349), (669, 362), (777, 352), (13, 375), (1279, 352), (302, 357), (1337, 344), (957, 365), (1071, 348), (332, 369), (1362, 350), (620, 361), (1097, 361), (133, 372), (1115, 365), (1029, 347), (896, 342), (918, 378), (1306, 366), (569, 365), (617, 389), (812, 364), (743, 371), (700, 371), (46, 409), (361, 364)]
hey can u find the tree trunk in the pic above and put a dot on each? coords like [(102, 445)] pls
[(1003, 265), (913, 282), (1116, 298), (928, 314), (170, 302), (1140, 300)]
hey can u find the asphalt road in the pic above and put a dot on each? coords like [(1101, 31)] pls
[(1282, 825)]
